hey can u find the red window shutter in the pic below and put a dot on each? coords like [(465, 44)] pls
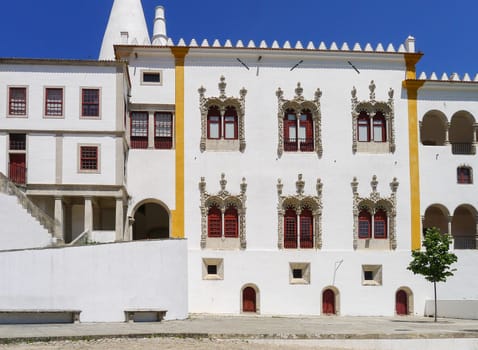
[(380, 224), (214, 121), (363, 127), (230, 123), (379, 126), (290, 229), (231, 223), (290, 140), (139, 129), (365, 224), (214, 222), (306, 229), (163, 130)]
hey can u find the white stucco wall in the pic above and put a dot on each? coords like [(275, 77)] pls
[(101, 280), (19, 229), (41, 158)]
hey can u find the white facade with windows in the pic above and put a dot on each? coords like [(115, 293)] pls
[(300, 185)]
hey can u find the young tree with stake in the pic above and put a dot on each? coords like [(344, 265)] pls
[(435, 261)]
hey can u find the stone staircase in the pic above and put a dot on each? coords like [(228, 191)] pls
[(20, 229)]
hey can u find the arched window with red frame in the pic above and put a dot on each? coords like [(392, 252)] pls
[(306, 229), (214, 222), (363, 127), (290, 130), (290, 228), (230, 124), (213, 123), (380, 224), (364, 224), (379, 128), (306, 131), (231, 223)]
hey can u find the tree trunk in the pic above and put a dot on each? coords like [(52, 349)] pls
[(435, 290)]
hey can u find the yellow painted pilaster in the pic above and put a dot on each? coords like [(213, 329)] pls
[(412, 87), (178, 214)]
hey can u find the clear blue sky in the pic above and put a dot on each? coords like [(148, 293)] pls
[(445, 30)]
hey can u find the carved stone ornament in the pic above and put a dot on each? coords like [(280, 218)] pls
[(371, 107), (222, 102), (373, 203), (298, 202), (298, 104), (223, 199)]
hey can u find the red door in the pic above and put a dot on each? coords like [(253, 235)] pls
[(249, 300), (328, 302), (401, 303), (17, 168)]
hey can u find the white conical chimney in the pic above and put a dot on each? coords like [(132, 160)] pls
[(159, 32), (126, 25)]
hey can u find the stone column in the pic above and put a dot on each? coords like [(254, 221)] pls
[(59, 232), (447, 134), (119, 219), (151, 130), (88, 222)]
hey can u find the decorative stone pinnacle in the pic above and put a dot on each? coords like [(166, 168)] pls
[(223, 182), (280, 185), (394, 185), (222, 86), (372, 90), (298, 91), (299, 184), (201, 91), (243, 186), (319, 187), (354, 185), (202, 185), (279, 93), (354, 93), (243, 93), (318, 94), (390, 94), (374, 183)]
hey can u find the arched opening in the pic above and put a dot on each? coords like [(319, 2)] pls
[(151, 221), (330, 301), (433, 129), (461, 133), (250, 299), (463, 227), (404, 301), (436, 215)]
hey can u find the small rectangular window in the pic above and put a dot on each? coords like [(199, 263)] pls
[(368, 275), (17, 142), (151, 78), (88, 158), (371, 275), (212, 269), (17, 101), (163, 130), (54, 102), (90, 102), (299, 273)]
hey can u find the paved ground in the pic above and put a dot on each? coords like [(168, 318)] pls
[(223, 332)]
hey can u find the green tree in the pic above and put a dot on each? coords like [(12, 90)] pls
[(434, 262)]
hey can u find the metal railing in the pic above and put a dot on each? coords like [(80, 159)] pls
[(462, 148), (303, 144), (464, 242)]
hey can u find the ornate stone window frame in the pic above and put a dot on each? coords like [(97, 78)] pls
[(299, 103), (299, 201), (222, 102), (371, 107), (372, 204), (223, 199)]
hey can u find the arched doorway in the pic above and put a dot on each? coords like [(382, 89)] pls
[(151, 221), (250, 299), (328, 302), (401, 303)]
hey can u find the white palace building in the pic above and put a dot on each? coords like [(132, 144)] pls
[(230, 178)]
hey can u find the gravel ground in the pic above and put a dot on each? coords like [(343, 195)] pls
[(159, 343)]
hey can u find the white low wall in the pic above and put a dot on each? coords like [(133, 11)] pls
[(465, 309), (100, 280)]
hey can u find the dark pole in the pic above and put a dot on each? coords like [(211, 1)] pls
[(435, 290)]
